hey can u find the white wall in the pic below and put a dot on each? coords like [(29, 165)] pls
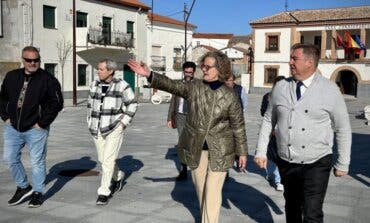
[(215, 43), (169, 37)]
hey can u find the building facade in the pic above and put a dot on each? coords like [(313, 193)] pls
[(113, 29), (349, 67)]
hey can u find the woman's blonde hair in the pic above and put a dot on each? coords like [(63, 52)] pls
[(222, 64)]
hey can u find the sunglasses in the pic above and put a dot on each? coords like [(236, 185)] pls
[(206, 67), (37, 60)]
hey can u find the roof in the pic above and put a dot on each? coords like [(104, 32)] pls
[(236, 48), (210, 48), (213, 35), (240, 39), (165, 19), (326, 16), (129, 3)]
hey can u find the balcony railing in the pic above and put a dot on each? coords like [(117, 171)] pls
[(158, 63), (177, 64), (115, 38)]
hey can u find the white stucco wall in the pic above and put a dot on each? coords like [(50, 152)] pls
[(26, 28), (233, 53), (169, 36), (215, 43)]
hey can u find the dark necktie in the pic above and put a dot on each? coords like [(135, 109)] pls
[(185, 107), (298, 90)]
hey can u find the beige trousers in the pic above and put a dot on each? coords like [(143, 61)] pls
[(208, 185), (108, 148)]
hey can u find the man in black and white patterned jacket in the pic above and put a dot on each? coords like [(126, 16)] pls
[(111, 107)]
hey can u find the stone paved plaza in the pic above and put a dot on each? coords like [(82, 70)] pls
[(152, 195)]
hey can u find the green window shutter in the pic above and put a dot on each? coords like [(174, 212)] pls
[(82, 74), (49, 16), (81, 19), (130, 27)]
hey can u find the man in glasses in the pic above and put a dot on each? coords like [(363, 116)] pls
[(30, 100), (178, 110)]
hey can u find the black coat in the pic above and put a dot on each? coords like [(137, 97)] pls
[(43, 99)]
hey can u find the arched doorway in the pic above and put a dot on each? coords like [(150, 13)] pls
[(347, 82)]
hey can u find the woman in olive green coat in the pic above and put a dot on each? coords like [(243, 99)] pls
[(214, 131)]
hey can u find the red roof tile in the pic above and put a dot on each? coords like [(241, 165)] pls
[(213, 35), (316, 15), (130, 3), (165, 19)]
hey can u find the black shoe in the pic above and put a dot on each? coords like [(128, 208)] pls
[(102, 200), (36, 200), (183, 175), (116, 186), (20, 195)]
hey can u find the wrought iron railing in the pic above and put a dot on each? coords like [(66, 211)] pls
[(113, 38)]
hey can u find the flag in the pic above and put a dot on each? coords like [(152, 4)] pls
[(362, 46), (340, 41), (350, 42)]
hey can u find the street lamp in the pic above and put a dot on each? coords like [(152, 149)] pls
[(186, 18)]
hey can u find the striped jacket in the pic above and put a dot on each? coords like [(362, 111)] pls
[(118, 105)]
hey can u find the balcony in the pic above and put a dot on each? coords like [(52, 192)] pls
[(177, 64), (158, 63), (100, 36)]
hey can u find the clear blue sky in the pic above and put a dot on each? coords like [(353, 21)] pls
[(233, 16)]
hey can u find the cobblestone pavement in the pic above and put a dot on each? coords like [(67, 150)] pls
[(151, 194)]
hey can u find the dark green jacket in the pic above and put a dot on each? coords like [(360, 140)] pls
[(214, 116)]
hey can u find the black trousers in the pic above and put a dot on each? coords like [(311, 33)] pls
[(304, 189)]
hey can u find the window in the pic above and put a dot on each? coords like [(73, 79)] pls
[(198, 43), (50, 67), (177, 62), (81, 19), (130, 28), (272, 42), (317, 41), (271, 73), (82, 74), (49, 17)]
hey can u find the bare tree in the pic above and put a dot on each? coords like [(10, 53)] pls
[(64, 49)]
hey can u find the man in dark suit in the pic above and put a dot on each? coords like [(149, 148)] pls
[(178, 110)]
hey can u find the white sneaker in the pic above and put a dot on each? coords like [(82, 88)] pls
[(279, 187)]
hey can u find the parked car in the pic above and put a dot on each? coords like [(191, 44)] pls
[(160, 96)]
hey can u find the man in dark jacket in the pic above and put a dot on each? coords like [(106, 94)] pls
[(178, 110), (30, 100)]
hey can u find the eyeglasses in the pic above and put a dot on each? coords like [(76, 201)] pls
[(37, 60), (206, 67)]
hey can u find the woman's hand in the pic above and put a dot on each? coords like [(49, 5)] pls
[(242, 162), (139, 68)]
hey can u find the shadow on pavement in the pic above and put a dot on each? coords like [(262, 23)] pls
[(359, 168), (183, 191), (128, 165), (84, 164), (249, 201)]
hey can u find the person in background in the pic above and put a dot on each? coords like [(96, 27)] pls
[(239, 90), (307, 110), (178, 110), (30, 100), (214, 131), (272, 147), (242, 95), (111, 106)]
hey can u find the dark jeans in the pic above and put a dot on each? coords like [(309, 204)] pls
[(304, 189)]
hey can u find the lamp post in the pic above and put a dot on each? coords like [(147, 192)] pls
[(186, 18), (74, 92)]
